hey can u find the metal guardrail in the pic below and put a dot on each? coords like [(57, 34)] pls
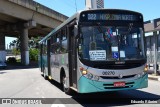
[(150, 57), (158, 57)]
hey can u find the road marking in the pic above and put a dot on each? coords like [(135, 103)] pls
[(58, 105)]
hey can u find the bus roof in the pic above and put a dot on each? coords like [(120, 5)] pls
[(60, 26), (75, 16)]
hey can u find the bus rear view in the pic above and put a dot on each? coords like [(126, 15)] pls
[(111, 51)]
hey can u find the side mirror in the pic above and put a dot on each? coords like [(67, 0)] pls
[(75, 30), (64, 44)]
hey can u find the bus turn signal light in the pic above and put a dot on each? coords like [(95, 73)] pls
[(84, 72), (81, 68)]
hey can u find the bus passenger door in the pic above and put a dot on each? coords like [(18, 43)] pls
[(49, 57), (72, 57), (40, 57)]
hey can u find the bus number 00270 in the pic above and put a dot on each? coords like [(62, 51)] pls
[(108, 73)]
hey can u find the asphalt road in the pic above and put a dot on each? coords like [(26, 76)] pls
[(29, 83)]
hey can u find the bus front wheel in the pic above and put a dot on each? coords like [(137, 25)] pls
[(66, 89)]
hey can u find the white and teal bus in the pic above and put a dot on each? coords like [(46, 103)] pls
[(96, 51)]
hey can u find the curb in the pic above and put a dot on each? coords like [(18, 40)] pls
[(156, 78)]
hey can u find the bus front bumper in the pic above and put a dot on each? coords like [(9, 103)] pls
[(86, 85)]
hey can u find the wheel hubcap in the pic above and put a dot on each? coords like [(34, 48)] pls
[(64, 82)]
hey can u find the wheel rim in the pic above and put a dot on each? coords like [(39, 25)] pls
[(44, 72), (64, 83)]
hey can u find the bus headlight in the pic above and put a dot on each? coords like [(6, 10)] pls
[(96, 77), (138, 76), (83, 71), (90, 76), (142, 73)]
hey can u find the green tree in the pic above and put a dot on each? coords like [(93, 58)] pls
[(33, 42), (33, 47), (33, 54), (16, 51)]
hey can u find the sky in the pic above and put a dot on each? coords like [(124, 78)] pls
[(149, 8)]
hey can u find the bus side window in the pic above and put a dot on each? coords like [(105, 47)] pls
[(58, 43), (54, 44), (51, 43), (64, 34), (64, 41), (44, 50)]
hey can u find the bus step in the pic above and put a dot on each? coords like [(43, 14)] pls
[(74, 89)]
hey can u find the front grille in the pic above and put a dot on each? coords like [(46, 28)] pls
[(124, 77), (111, 86), (118, 87)]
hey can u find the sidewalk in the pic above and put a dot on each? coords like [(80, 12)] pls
[(153, 77)]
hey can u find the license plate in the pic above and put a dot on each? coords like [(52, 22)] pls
[(119, 84)]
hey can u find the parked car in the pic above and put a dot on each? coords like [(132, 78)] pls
[(2, 59), (3, 65)]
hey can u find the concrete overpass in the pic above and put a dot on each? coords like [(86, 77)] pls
[(26, 18)]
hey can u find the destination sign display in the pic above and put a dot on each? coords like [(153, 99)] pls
[(112, 17)]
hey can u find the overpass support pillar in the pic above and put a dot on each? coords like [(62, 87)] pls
[(2, 43), (24, 46)]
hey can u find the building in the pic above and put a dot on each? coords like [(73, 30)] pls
[(94, 4)]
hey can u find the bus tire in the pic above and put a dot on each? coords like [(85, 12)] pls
[(65, 88), (44, 73)]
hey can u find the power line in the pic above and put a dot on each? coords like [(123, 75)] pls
[(76, 5)]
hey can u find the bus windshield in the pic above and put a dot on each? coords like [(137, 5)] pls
[(110, 43)]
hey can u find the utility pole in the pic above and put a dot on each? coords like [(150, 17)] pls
[(94, 4)]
